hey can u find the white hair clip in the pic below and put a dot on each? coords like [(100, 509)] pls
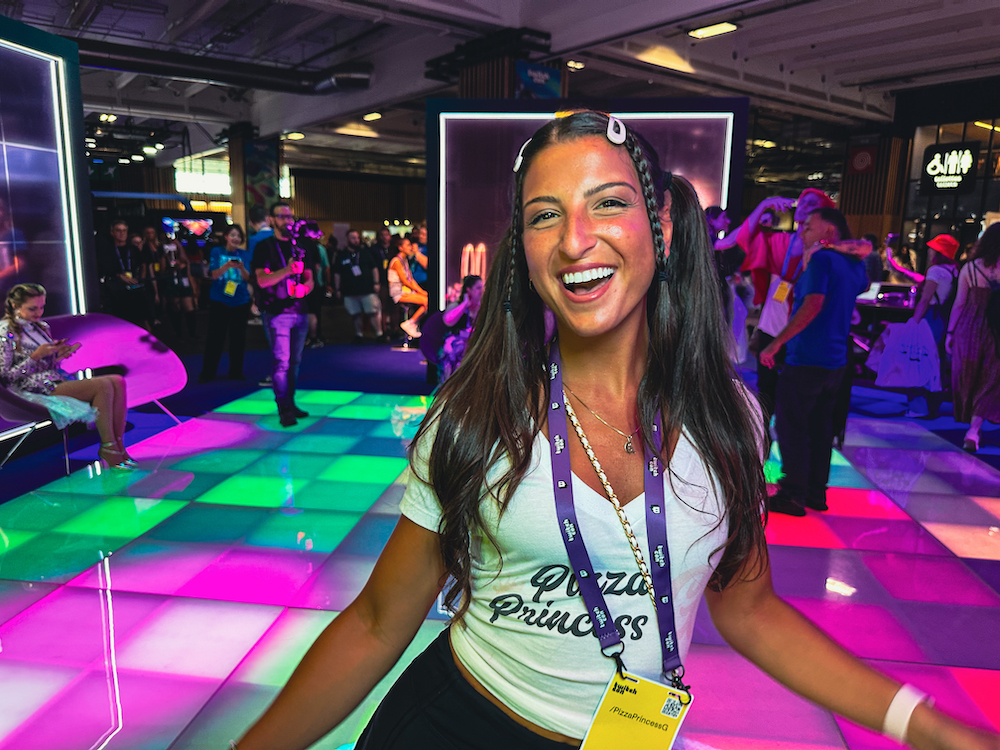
[(520, 155), (616, 131)]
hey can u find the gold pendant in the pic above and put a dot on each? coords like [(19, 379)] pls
[(628, 445)]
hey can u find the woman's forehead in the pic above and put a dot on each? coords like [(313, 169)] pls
[(588, 158)]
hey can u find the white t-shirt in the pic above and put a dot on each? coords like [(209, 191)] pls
[(944, 277), (774, 314), (527, 637)]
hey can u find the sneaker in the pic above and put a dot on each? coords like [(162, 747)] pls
[(288, 419), (781, 502), (315, 344), (410, 328), (265, 382)]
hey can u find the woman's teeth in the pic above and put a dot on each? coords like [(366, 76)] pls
[(585, 277)]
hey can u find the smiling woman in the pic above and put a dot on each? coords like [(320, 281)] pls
[(572, 559)]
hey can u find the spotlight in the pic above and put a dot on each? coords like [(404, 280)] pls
[(138, 157), (150, 150), (159, 146), (575, 65), (112, 118), (386, 222), (295, 136), (123, 160), (396, 222), (104, 118), (372, 117)]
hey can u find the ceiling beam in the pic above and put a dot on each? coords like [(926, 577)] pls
[(199, 11), (83, 14), (379, 12)]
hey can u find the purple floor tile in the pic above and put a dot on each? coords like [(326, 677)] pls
[(988, 570), (955, 636), (885, 535), (154, 567), (338, 583), (945, 580), (947, 508), (831, 575), (16, 596)]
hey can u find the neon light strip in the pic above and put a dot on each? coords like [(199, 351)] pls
[(14, 432), (444, 117), (110, 656)]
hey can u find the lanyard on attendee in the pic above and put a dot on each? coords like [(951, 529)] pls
[(788, 255), (126, 268), (656, 531)]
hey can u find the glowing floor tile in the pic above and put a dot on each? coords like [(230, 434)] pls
[(334, 398), (43, 510), (174, 485), (247, 406), (866, 630), (957, 636), (196, 638), (887, 535), (24, 688), (154, 567), (272, 660), (11, 538), (40, 633), (257, 576), (201, 434), (372, 413), (56, 557), (154, 710), (338, 583), (848, 476), (391, 399), (353, 497), (372, 446), (775, 718), (308, 530), (956, 509), (220, 461), (285, 464), (125, 517), (16, 596), (207, 522), (772, 471), (272, 423), (831, 574), (808, 531), (388, 501), (89, 481), (327, 445), (989, 504), (369, 536), (983, 687), (930, 579), (352, 427), (366, 469), (394, 429), (981, 542), (862, 503), (266, 492)]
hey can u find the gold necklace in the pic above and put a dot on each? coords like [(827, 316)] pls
[(636, 552), (628, 438)]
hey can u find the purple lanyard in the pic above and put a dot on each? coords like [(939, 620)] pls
[(656, 532)]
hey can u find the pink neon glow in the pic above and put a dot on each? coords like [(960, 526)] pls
[(921, 579), (255, 575), (809, 531), (194, 436), (862, 503), (866, 630), (155, 567)]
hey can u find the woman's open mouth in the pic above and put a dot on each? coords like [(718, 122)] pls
[(584, 282)]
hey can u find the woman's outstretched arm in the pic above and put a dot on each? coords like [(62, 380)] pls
[(359, 647), (779, 640)]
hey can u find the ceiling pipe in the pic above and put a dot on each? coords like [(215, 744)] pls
[(212, 70)]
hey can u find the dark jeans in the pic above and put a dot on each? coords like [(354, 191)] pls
[(223, 319), (433, 706), (287, 335), (804, 419), (767, 379)]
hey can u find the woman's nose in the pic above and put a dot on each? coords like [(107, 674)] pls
[(579, 237)]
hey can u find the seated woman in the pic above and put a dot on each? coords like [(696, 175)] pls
[(402, 288), (461, 320), (30, 366)]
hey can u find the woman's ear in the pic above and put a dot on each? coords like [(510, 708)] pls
[(666, 223)]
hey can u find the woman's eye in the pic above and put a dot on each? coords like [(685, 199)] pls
[(540, 217), (612, 203)]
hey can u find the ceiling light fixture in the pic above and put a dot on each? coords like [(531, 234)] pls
[(664, 57), (706, 32), (112, 118), (158, 146), (149, 150), (372, 117), (123, 160), (104, 118), (986, 125), (295, 136), (575, 65), (359, 129), (138, 157)]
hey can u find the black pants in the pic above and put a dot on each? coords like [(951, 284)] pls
[(804, 418), (767, 380), (433, 706), (223, 319)]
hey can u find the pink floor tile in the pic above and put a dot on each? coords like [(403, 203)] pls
[(991, 504), (930, 579), (154, 567), (25, 688), (809, 531), (886, 535), (983, 687), (337, 584), (866, 630), (860, 503), (259, 576), (134, 710), (981, 542)]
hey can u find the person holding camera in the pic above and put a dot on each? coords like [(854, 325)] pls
[(282, 265), (228, 306)]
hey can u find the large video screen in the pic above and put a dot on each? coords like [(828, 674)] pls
[(39, 225), (472, 147)]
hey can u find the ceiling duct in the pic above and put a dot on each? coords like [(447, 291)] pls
[(199, 69)]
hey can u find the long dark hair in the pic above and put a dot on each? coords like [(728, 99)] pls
[(688, 373), (16, 297), (987, 247)]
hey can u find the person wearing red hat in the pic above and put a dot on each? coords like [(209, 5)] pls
[(938, 292)]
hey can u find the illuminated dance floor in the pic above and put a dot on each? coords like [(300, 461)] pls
[(164, 608)]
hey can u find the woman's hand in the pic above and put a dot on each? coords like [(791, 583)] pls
[(67, 350), (47, 350), (932, 730)]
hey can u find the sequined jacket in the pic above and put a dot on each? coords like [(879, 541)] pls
[(18, 370)]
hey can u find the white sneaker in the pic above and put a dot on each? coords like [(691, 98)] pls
[(411, 329)]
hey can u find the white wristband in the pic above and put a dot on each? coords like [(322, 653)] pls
[(897, 718)]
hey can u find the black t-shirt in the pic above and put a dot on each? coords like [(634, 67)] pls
[(112, 260), (273, 254), (356, 267)]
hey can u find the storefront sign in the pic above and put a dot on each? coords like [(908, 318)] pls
[(536, 81), (949, 168)]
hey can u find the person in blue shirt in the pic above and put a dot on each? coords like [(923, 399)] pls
[(817, 338), (228, 306)]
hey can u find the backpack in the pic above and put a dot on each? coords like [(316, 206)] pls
[(993, 313)]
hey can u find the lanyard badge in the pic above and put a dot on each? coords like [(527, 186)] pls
[(623, 686)]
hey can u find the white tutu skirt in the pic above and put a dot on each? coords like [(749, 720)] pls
[(64, 410)]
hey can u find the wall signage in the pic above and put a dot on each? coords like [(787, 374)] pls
[(949, 168)]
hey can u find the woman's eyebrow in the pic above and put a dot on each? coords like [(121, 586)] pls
[(589, 194)]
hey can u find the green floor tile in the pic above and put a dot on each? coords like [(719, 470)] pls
[(248, 406), (264, 394), (11, 538), (272, 423), (395, 429), (334, 398), (352, 497), (329, 445), (351, 411), (837, 459), (263, 492), (309, 530), (351, 427), (90, 481), (43, 510), (219, 461), (56, 557), (284, 464), (375, 469), (209, 523), (126, 517), (392, 399)]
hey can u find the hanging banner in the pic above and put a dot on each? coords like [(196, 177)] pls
[(536, 81), (261, 172)]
